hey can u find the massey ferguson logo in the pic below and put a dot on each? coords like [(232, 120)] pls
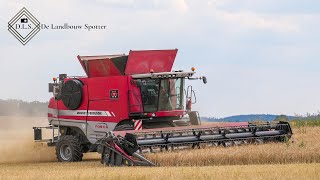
[(114, 94), (24, 26)]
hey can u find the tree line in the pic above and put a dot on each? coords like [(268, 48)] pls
[(23, 108)]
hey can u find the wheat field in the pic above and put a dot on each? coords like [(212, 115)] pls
[(94, 170), (302, 148), (299, 158)]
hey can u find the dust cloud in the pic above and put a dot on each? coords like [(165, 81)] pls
[(16, 141)]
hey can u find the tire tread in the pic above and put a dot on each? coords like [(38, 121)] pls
[(75, 146)]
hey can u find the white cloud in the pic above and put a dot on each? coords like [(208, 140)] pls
[(3, 20), (217, 2), (203, 32), (180, 5), (246, 19), (117, 2)]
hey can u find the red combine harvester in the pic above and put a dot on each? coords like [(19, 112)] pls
[(131, 103)]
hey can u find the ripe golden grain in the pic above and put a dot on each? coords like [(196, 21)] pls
[(20, 158), (94, 170), (304, 149)]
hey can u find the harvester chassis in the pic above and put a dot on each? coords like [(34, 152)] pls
[(136, 102)]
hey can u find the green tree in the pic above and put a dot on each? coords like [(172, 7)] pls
[(281, 118)]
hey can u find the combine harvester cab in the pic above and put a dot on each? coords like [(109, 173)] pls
[(138, 94)]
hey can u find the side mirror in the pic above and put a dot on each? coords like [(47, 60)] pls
[(204, 79)]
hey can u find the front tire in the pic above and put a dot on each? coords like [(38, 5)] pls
[(69, 149)]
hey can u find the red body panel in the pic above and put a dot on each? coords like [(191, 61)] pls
[(64, 112), (109, 92), (99, 97), (112, 112), (135, 102), (99, 67), (140, 62), (97, 103), (52, 106), (168, 113)]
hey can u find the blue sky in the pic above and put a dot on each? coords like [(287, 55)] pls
[(260, 56)]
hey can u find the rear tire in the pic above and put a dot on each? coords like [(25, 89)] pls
[(69, 149)]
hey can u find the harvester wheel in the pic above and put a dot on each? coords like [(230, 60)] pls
[(69, 149)]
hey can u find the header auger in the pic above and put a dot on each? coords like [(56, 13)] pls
[(135, 103)]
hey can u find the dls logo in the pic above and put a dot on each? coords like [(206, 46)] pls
[(24, 26)]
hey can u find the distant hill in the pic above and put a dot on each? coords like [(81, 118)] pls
[(244, 118)]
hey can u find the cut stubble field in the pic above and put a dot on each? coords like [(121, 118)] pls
[(21, 158)]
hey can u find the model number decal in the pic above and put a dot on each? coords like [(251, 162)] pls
[(101, 126), (94, 113), (55, 112), (97, 113)]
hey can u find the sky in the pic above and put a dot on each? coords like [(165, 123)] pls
[(260, 56)]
